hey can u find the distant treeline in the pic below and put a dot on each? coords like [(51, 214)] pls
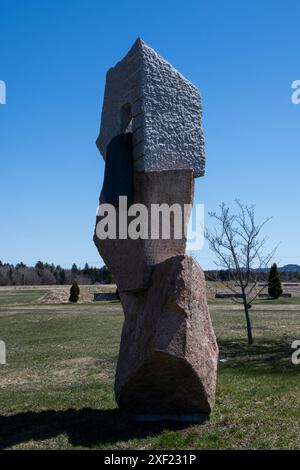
[(224, 276), (49, 274)]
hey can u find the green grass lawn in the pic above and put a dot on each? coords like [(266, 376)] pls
[(280, 301), (261, 301), (9, 297), (56, 390)]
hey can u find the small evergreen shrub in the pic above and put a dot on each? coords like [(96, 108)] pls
[(74, 293), (274, 285)]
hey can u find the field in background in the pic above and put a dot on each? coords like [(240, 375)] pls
[(19, 296), (59, 294), (56, 390), (51, 294)]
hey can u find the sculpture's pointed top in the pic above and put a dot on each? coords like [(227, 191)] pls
[(138, 44), (138, 47), (149, 54), (139, 41)]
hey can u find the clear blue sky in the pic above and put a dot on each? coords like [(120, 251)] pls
[(243, 56)]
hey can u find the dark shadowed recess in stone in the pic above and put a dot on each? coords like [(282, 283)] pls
[(118, 176)]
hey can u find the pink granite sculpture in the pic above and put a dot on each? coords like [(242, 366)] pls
[(152, 140)]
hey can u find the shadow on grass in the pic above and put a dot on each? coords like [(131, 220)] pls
[(265, 356), (89, 427), (85, 428)]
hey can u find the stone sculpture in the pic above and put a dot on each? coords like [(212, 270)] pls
[(152, 140)]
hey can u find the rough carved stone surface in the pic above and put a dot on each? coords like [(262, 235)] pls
[(168, 354), (168, 187), (145, 94)]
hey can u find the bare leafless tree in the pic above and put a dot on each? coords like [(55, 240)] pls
[(240, 250)]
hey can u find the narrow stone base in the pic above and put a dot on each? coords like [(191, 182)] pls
[(195, 418)]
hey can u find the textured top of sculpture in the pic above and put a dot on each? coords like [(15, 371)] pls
[(145, 95)]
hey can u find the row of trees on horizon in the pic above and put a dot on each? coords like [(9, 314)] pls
[(49, 274), (226, 276)]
